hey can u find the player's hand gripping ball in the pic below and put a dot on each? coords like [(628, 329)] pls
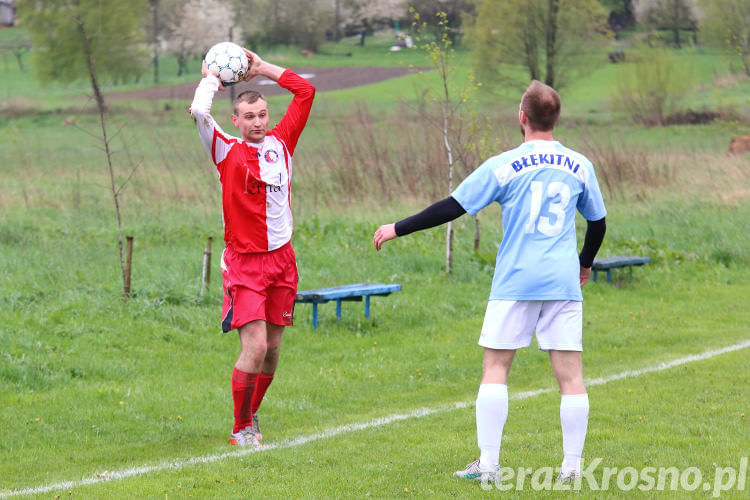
[(228, 62)]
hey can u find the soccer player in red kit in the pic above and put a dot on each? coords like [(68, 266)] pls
[(258, 264)]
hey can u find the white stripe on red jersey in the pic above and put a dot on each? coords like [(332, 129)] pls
[(255, 177)]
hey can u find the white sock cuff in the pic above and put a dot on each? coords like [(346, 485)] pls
[(493, 390), (574, 400), (571, 463)]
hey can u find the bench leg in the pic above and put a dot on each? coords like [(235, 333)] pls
[(631, 271), (609, 276), (315, 315), (595, 272), (367, 306), (338, 308)]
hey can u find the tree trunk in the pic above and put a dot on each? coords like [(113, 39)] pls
[(102, 109), (476, 234), (530, 46), (182, 57), (449, 152), (206, 274), (551, 41), (276, 18), (181, 64), (128, 264), (337, 20), (449, 248), (532, 58), (154, 40), (19, 59)]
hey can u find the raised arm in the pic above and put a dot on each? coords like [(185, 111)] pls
[(259, 67), (293, 122), (200, 109)]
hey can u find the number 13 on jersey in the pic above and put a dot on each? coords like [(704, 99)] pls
[(556, 209)]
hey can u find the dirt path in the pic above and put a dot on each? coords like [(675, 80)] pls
[(324, 79)]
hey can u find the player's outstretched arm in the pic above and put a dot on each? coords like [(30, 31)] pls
[(436, 214), (293, 122), (200, 110)]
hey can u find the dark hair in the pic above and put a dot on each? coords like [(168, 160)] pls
[(541, 103), (248, 96)]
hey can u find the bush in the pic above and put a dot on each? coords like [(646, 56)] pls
[(652, 88), (396, 156)]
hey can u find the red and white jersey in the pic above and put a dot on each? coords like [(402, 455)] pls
[(255, 177)]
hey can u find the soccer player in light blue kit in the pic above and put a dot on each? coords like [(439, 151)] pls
[(538, 275)]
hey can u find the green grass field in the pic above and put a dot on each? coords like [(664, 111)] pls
[(103, 399)]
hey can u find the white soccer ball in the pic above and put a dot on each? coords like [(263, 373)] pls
[(228, 61)]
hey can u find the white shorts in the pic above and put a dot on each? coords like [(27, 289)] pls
[(510, 324)]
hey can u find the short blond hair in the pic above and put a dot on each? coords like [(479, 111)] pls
[(248, 96)]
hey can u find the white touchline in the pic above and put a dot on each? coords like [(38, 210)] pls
[(378, 422)]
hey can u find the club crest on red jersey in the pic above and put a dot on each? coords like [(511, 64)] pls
[(271, 156)]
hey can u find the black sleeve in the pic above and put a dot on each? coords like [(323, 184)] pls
[(594, 236), (438, 213)]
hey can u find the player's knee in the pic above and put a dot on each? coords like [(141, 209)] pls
[(573, 385), (255, 353), (495, 374), (272, 351)]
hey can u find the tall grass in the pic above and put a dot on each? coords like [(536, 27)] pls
[(393, 155), (364, 156), (627, 172)]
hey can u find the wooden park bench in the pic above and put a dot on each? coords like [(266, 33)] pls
[(609, 263), (353, 292)]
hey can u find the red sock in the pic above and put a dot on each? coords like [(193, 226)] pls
[(243, 385), (261, 386)]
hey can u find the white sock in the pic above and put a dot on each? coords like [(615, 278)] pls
[(574, 417), (492, 411)]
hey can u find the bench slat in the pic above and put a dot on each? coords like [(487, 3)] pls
[(322, 291), (611, 262), (346, 291)]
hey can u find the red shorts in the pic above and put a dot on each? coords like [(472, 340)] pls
[(258, 286)]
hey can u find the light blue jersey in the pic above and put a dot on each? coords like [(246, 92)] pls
[(539, 186)]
